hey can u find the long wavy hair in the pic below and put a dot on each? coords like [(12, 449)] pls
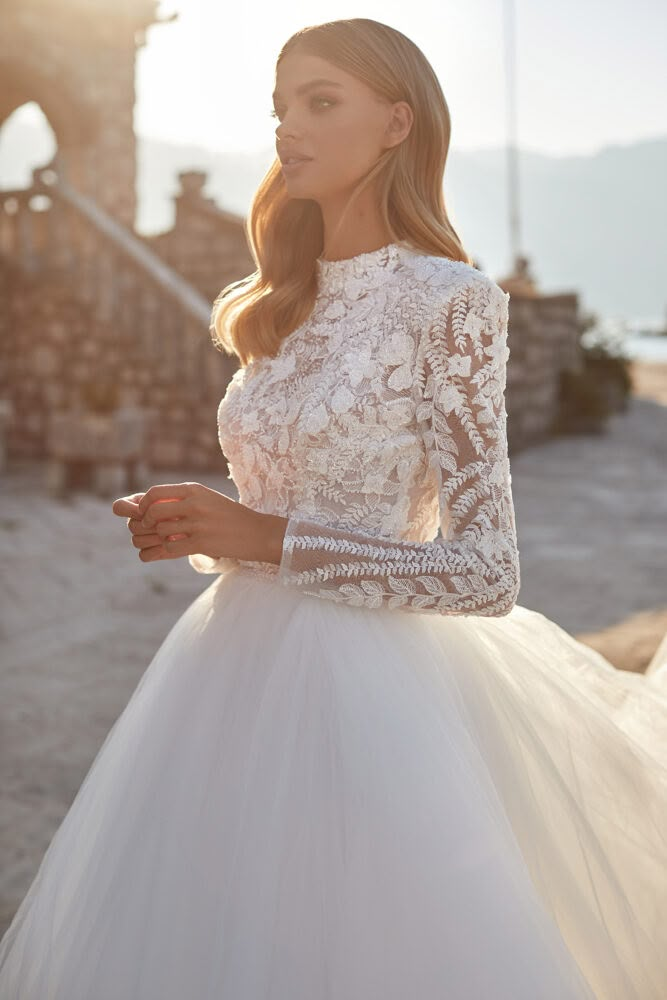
[(286, 235)]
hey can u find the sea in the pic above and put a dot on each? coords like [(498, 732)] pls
[(640, 340), (643, 348)]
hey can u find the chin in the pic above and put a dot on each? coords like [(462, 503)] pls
[(299, 190)]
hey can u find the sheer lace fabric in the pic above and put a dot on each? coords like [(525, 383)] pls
[(381, 422)]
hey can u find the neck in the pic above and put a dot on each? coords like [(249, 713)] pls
[(360, 230)]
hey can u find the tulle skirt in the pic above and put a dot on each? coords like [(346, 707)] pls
[(305, 800)]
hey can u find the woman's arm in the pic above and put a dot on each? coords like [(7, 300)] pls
[(474, 568)]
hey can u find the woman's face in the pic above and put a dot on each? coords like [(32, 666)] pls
[(340, 126)]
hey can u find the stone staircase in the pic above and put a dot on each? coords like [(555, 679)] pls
[(95, 322)]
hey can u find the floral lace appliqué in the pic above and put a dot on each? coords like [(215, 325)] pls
[(379, 425)]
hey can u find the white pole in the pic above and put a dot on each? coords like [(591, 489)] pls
[(512, 136)]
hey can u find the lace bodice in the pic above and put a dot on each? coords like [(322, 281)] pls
[(380, 422)]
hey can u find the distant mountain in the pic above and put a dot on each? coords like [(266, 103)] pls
[(593, 224)]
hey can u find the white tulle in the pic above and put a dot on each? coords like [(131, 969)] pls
[(303, 799)]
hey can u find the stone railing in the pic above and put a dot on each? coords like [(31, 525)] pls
[(93, 308), (52, 229)]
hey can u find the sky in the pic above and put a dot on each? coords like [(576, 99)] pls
[(589, 73)]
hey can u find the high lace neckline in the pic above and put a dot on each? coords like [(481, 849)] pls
[(363, 271)]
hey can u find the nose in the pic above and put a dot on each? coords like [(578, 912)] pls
[(285, 130)]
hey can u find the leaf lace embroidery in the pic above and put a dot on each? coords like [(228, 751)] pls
[(379, 423)]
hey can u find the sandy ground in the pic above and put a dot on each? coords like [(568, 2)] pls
[(81, 616)]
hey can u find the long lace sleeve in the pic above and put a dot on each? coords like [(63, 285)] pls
[(473, 569)]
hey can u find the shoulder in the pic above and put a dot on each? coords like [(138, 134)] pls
[(441, 276), (440, 283)]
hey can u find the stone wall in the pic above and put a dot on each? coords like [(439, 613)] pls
[(543, 339), (76, 60), (208, 247), (206, 244), (55, 354)]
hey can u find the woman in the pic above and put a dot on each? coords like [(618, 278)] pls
[(356, 767)]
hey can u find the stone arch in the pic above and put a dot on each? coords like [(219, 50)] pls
[(77, 61), (13, 156), (71, 120)]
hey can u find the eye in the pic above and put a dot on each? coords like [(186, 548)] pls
[(274, 113), (325, 99)]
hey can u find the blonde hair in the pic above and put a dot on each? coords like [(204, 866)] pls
[(251, 317)]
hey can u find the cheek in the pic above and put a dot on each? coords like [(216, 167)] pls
[(346, 152)]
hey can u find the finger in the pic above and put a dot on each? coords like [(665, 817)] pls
[(146, 541), (178, 547), (132, 498), (138, 528), (158, 509), (153, 553), (165, 491), (124, 507), (145, 537), (166, 528)]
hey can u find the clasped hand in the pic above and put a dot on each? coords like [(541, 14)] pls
[(181, 519)]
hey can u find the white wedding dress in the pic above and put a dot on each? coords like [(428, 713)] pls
[(367, 773)]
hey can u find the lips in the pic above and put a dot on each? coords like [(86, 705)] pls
[(287, 158)]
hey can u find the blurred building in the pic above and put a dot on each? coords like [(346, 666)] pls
[(97, 318)]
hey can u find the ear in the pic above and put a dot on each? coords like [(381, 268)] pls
[(399, 124)]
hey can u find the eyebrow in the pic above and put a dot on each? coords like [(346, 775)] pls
[(309, 86)]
